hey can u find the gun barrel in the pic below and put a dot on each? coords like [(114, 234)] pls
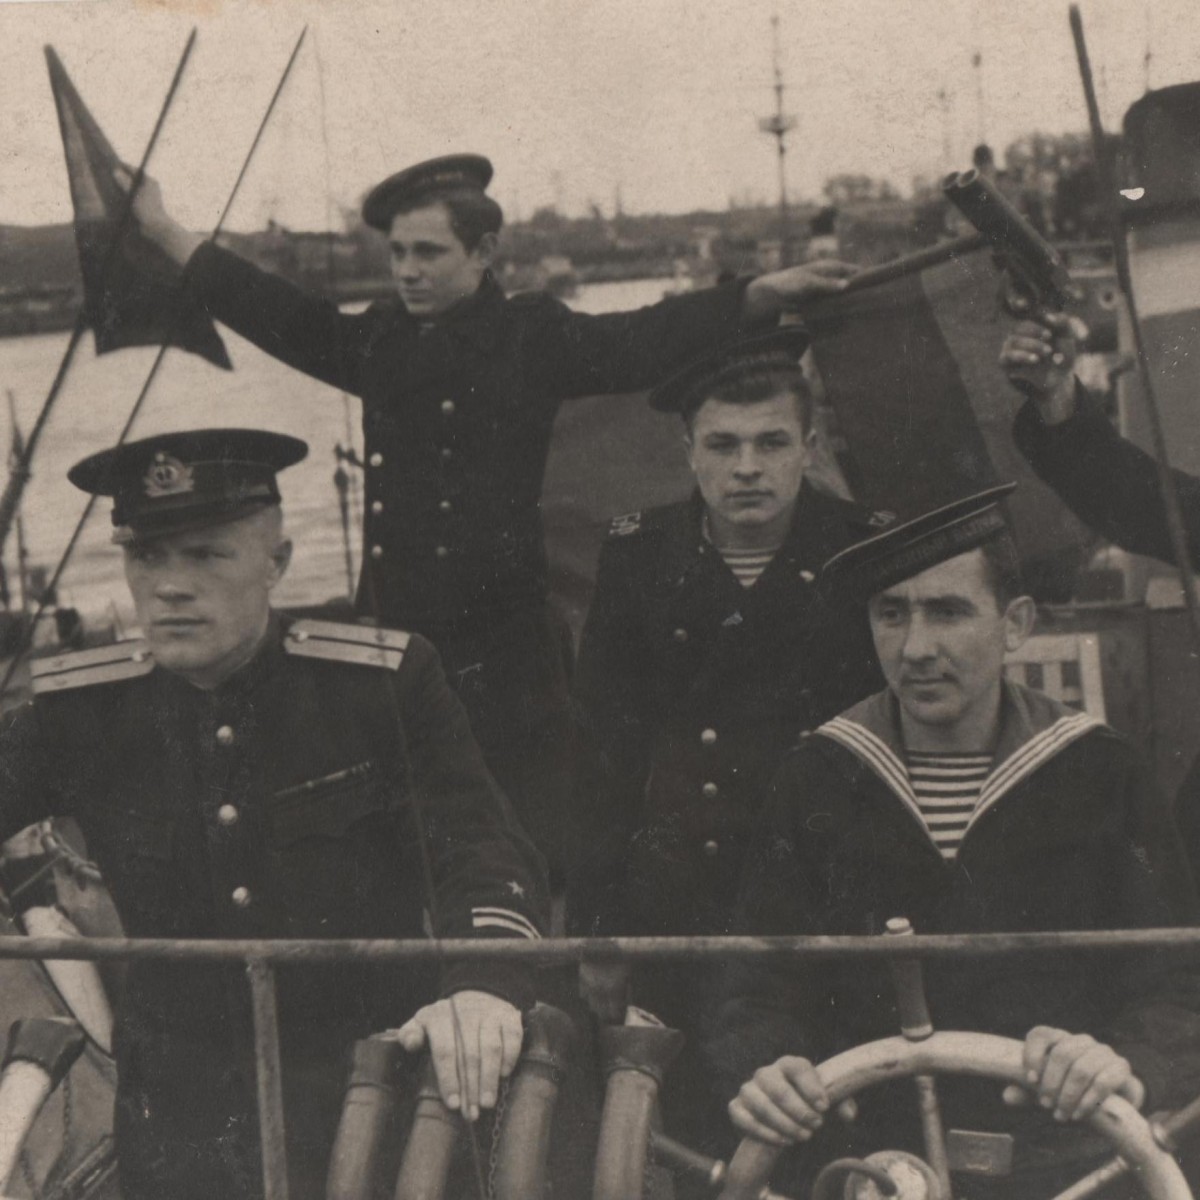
[(1009, 233)]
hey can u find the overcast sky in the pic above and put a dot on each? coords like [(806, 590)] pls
[(571, 99)]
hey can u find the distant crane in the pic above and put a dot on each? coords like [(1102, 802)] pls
[(779, 124)]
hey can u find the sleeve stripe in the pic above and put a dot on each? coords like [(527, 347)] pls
[(508, 914), (525, 931)]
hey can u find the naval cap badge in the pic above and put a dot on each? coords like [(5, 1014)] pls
[(167, 476)]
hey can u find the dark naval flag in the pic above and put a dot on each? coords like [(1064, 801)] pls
[(910, 368), (134, 297)]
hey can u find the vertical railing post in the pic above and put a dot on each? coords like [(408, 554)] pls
[(269, 1073)]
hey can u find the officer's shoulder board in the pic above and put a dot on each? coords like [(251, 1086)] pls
[(83, 668), (363, 645)]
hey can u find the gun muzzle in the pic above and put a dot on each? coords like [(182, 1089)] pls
[(635, 1059), (429, 1152), (368, 1120), (1037, 268), (524, 1143)]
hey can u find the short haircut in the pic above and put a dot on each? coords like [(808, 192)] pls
[(472, 212), (1002, 569), (752, 383)]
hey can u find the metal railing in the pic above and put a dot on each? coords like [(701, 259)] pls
[(261, 956)]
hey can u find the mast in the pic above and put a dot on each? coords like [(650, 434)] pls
[(16, 455), (779, 124)]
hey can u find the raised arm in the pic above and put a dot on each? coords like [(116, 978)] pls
[(303, 331)]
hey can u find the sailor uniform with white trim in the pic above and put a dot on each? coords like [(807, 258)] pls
[(283, 803), (1069, 833)]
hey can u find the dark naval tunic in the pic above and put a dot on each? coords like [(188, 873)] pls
[(457, 419), (1069, 834), (291, 801)]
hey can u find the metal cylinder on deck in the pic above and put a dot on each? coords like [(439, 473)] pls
[(431, 1143), (634, 1059), (368, 1117), (524, 1140)]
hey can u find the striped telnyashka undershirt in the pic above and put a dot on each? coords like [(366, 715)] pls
[(748, 565), (947, 789)]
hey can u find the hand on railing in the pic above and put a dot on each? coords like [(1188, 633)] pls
[(474, 1040)]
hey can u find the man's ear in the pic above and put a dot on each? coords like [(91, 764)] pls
[(281, 558), (1019, 619), (486, 247), (689, 447)]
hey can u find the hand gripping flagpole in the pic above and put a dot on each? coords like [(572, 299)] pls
[(1108, 189), (21, 471), (51, 587)]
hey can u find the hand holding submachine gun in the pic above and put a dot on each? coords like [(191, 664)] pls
[(1036, 278)]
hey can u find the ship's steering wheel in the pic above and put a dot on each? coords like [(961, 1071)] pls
[(979, 1054)]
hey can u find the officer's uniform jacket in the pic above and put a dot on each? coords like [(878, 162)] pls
[(284, 803), (690, 688), (1070, 833), (457, 418)]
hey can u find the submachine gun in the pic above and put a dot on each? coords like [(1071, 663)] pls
[(1036, 277)]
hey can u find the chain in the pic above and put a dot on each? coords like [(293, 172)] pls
[(497, 1130)]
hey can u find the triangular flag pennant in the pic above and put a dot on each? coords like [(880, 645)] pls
[(134, 297)]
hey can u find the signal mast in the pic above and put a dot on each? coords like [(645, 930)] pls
[(779, 124)]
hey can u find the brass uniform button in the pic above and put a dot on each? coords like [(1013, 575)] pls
[(241, 897), (448, 407), (680, 635), (441, 551), (227, 815), (225, 736), (377, 507), (377, 552), (445, 506), (376, 459), (711, 848), (708, 737), (710, 790)]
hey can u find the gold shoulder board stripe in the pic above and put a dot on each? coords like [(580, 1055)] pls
[(362, 644), (82, 668)]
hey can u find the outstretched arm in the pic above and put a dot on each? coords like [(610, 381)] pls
[(303, 331)]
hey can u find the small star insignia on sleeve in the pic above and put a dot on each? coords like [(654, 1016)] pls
[(515, 888)]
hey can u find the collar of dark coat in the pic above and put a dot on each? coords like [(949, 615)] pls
[(476, 319), (1033, 729), (821, 526)]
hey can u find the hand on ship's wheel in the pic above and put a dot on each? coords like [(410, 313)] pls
[(977, 1054)]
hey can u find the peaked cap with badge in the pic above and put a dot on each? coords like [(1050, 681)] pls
[(174, 482), (451, 172), (907, 549)]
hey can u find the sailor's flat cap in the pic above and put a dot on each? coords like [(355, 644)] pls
[(424, 179), (687, 389), (179, 481), (907, 549)]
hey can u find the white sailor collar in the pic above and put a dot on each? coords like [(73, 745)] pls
[(1033, 729)]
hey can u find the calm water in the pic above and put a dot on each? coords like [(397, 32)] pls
[(188, 392)]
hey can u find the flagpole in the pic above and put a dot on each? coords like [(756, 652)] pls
[(1108, 189), (151, 374), (21, 472)]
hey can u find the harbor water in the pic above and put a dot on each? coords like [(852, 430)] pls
[(189, 393)]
